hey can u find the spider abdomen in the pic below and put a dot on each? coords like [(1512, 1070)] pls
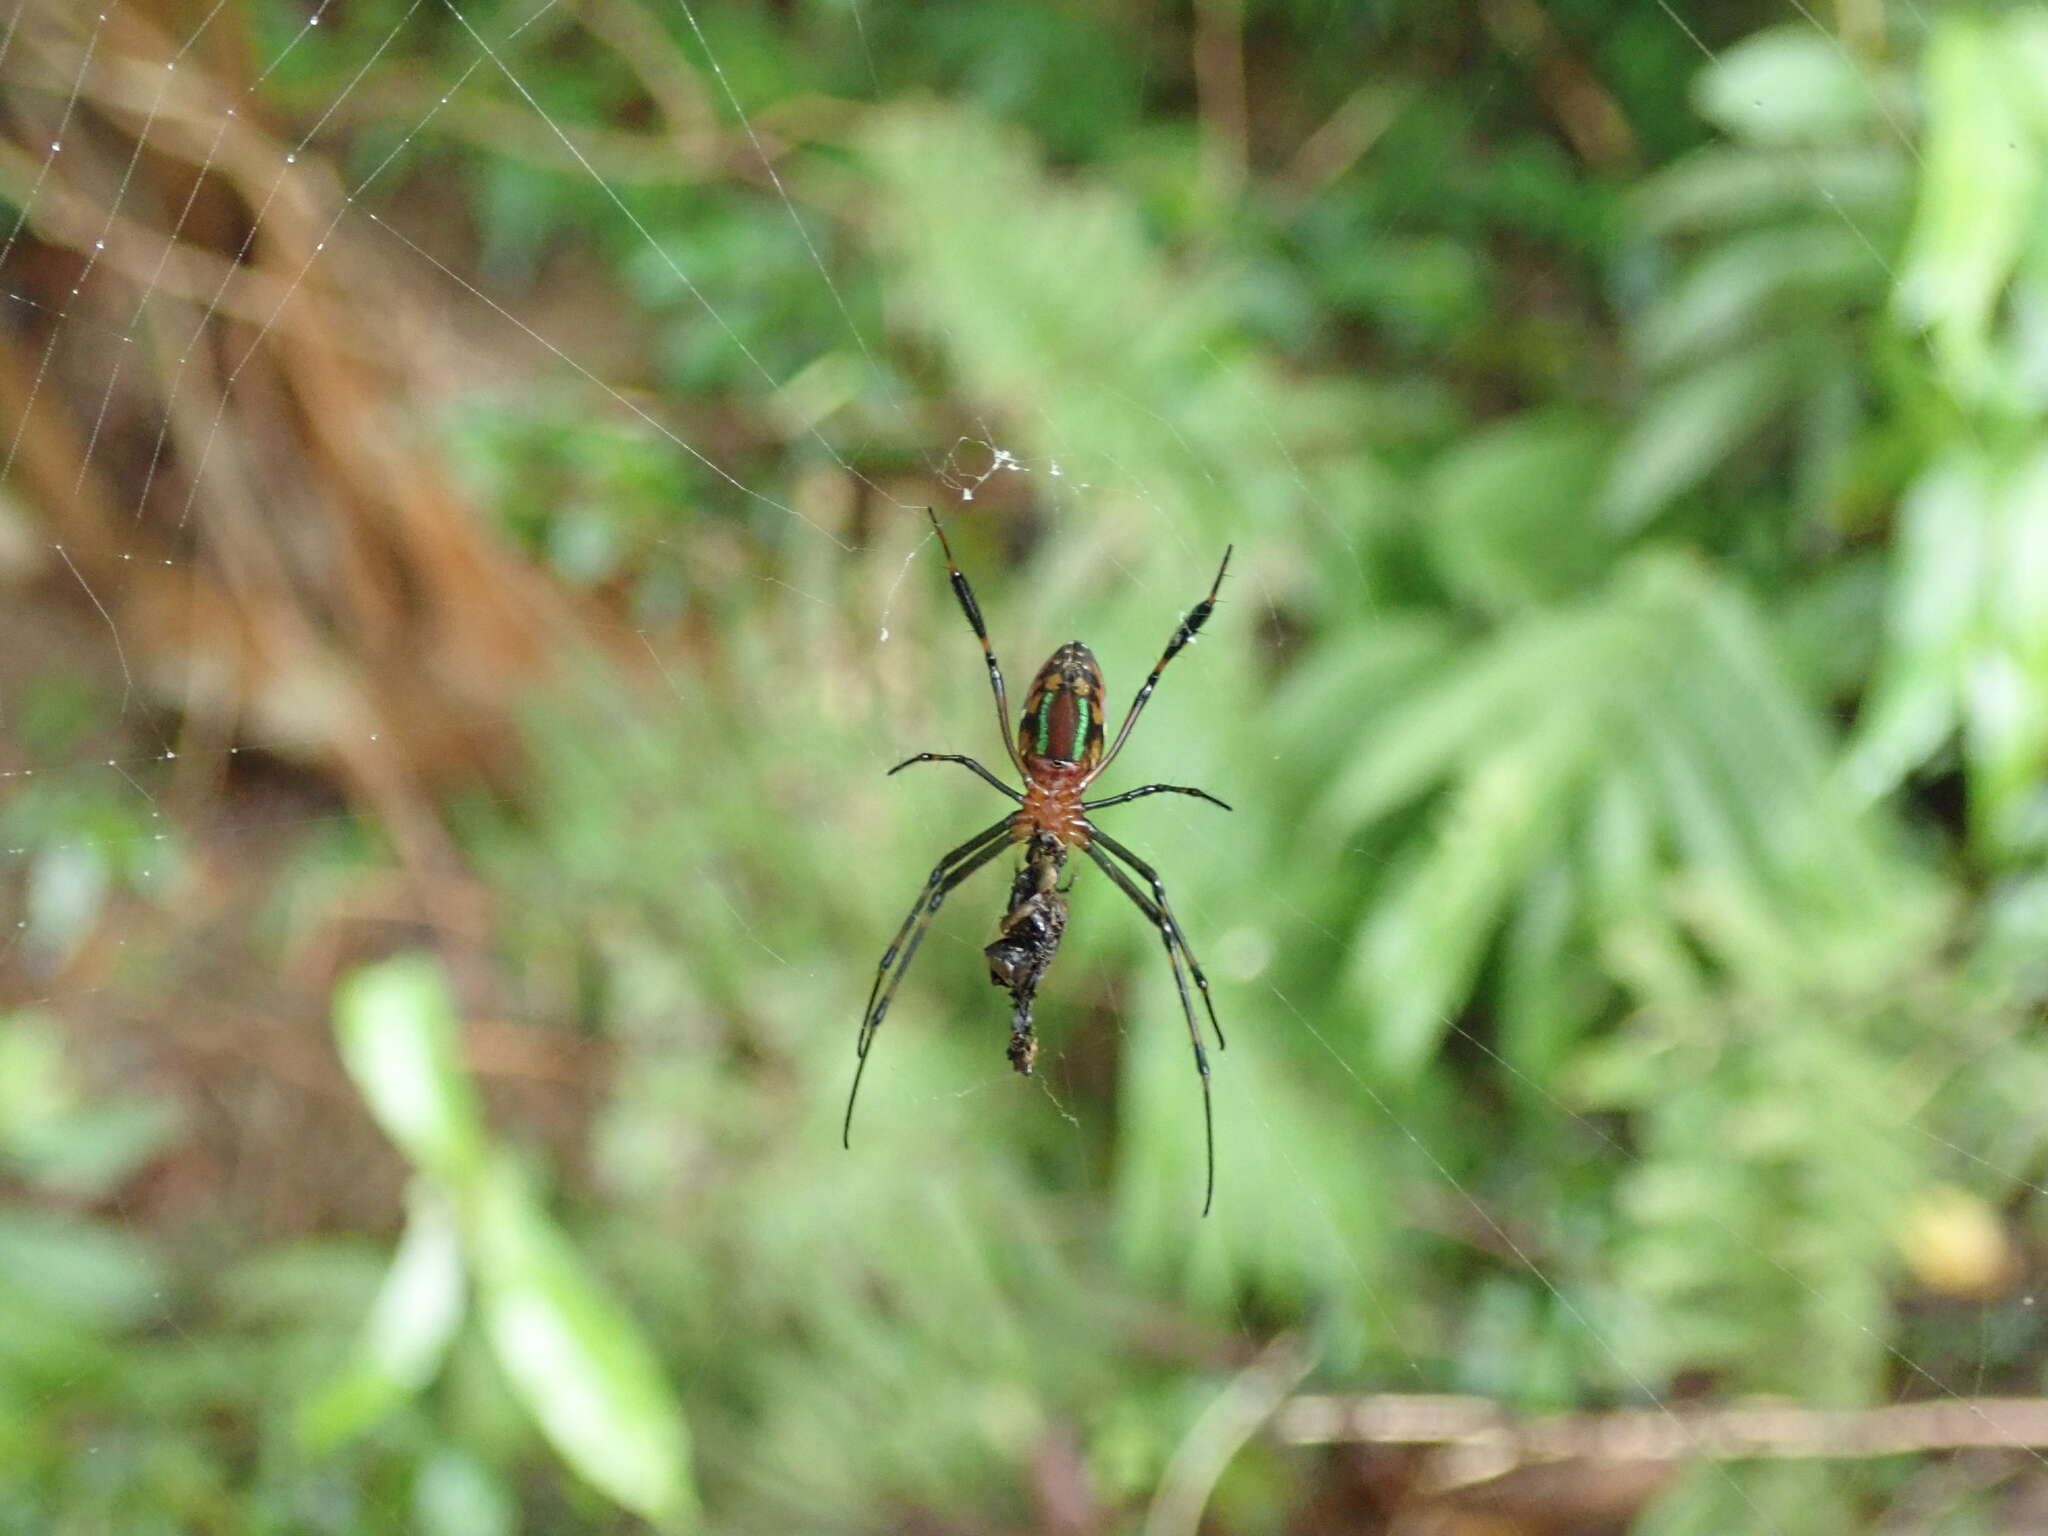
[(1062, 720)]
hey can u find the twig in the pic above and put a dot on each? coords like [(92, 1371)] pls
[(1220, 95), (1480, 1439), (1220, 1433), (1588, 114)]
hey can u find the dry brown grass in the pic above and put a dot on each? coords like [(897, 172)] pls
[(215, 378)]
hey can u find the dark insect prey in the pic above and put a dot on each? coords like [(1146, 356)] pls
[(1057, 751)]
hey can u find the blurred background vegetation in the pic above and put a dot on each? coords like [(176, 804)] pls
[(463, 504)]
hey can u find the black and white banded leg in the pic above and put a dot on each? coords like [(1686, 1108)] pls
[(946, 876), (968, 762), (1151, 878), (1189, 628), (972, 609), (1151, 789), (1169, 936)]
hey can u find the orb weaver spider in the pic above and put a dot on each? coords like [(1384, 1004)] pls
[(1058, 753)]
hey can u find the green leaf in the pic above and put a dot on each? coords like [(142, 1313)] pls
[(1791, 85), (1418, 742), (408, 1331), (1543, 979), (1750, 284), (1728, 187), (1422, 945), (91, 1151), (1510, 511), (55, 1141), (1386, 662), (1979, 198), (456, 1494), (2005, 693), (576, 1359), (1967, 645), (1938, 571), (78, 1269), (1053, 304), (1690, 427), (396, 1025)]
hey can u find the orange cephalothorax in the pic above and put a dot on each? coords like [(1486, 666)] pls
[(1062, 722)]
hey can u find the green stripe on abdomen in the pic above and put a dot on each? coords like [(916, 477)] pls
[(1061, 734)]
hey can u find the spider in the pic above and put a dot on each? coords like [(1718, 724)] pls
[(1058, 753)]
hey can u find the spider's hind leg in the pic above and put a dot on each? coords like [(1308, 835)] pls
[(1169, 935), (946, 876), (1167, 921)]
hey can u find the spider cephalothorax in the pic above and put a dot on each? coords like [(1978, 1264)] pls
[(1058, 753)]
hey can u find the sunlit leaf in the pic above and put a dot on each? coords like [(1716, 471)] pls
[(1792, 84), (2005, 682), (396, 1025), (455, 1494), (1416, 959), (1413, 745), (408, 1331), (1725, 187), (1940, 562), (1979, 194), (1967, 644), (576, 1358)]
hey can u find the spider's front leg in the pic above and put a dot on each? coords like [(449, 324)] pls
[(965, 594), (1183, 635)]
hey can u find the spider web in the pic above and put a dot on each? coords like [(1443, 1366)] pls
[(1144, 523)]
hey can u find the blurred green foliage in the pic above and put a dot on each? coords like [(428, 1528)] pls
[(1633, 687)]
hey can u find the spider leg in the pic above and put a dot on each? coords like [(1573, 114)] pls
[(1168, 936), (1181, 636), (1151, 877), (965, 762), (1152, 789), (972, 609), (948, 873)]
